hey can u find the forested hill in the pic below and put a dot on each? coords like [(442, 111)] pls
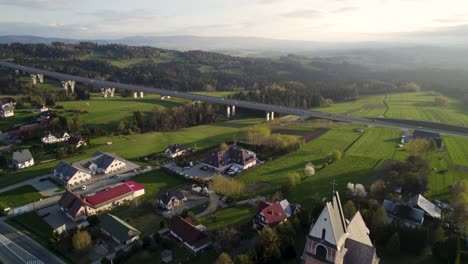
[(207, 71)]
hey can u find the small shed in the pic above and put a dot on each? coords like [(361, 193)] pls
[(118, 229)]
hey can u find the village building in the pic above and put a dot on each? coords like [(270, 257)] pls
[(41, 108), (22, 159), (431, 211), (79, 207), (118, 229), (175, 151), (77, 141), (404, 214), (7, 109), (233, 155), (52, 138), (169, 199), (191, 236), (69, 175), (334, 239), (273, 214), (419, 134)]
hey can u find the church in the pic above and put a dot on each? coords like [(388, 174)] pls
[(334, 239)]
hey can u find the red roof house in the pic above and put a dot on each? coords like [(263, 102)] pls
[(272, 214)]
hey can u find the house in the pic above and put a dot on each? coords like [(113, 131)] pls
[(404, 214), (51, 138), (79, 207), (169, 199), (118, 229), (41, 108), (273, 214), (222, 159), (188, 234), (166, 256), (69, 175), (334, 239), (22, 159), (429, 136), (7, 109), (175, 151), (77, 141), (430, 210), (102, 163)]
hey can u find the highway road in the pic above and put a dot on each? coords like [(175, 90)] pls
[(304, 113), (35, 250)]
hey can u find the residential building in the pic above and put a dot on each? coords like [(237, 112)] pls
[(102, 163), (431, 211), (417, 134), (52, 138), (222, 159), (71, 176), (41, 108), (7, 109), (77, 141), (334, 239), (79, 207), (273, 214), (191, 236), (118, 229), (174, 151), (404, 214), (169, 199), (22, 159)]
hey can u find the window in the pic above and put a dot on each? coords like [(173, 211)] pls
[(323, 233), (321, 252)]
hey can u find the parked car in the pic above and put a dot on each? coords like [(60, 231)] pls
[(83, 187)]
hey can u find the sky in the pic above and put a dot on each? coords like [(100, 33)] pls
[(309, 20)]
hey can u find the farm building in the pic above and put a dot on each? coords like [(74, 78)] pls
[(174, 151), (430, 209), (430, 136), (118, 229), (51, 138), (404, 214)]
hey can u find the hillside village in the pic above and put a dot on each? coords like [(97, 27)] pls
[(217, 188)]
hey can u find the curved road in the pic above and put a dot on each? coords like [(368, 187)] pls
[(304, 113)]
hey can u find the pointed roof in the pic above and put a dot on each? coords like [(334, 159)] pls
[(118, 228), (428, 207), (358, 230), (337, 217)]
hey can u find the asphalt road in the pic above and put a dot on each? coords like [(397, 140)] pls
[(28, 244), (304, 113)]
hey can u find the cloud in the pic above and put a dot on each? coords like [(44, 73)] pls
[(345, 9), (305, 13), (39, 4), (108, 15), (267, 2)]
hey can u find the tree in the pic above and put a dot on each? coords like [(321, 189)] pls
[(334, 155), (81, 240), (270, 243), (224, 258), (309, 169), (223, 146), (393, 246), (243, 259), (228, 187), (349, 209), (459, 202), (377, 189), (441, 100), (293, 179), (420, 147), (357, 190)]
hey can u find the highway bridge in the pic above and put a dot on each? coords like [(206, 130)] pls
[(232, 103)]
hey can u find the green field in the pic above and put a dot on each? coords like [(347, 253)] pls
[(376, 143), (32, 225), (457, 148), (134, 146), (19, 196), (230, 216), (417, 106), (107, 112), (153, 181)]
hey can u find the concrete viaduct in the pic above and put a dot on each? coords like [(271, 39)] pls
[(232, 104)]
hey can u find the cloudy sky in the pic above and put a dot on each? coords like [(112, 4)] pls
[(312, 20)]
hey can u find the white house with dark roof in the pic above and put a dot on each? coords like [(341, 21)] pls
[(7, 109), (334, 239), (221, 159), (52, 138), (174, 151), (102, 163), (22, 159), (69, 175), (169, 199)]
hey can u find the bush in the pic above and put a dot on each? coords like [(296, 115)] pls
[(309, 169), (81, 240)]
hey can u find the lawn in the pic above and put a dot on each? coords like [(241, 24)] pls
[(107, 112), (275, 172), (417, 106), (134, 146), (155, 180), (457, 148), (32, 225), (230, 216), (19, 196), (376, 143)]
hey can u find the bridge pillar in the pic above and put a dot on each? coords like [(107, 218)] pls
[(228, 111), (41, 78), (72, 86), (272, 115), (135, 95), (68, 84), (268, 116), (141, 94), (233, 110), (33, 78)]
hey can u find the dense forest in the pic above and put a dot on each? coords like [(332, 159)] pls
[(311, 79)]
